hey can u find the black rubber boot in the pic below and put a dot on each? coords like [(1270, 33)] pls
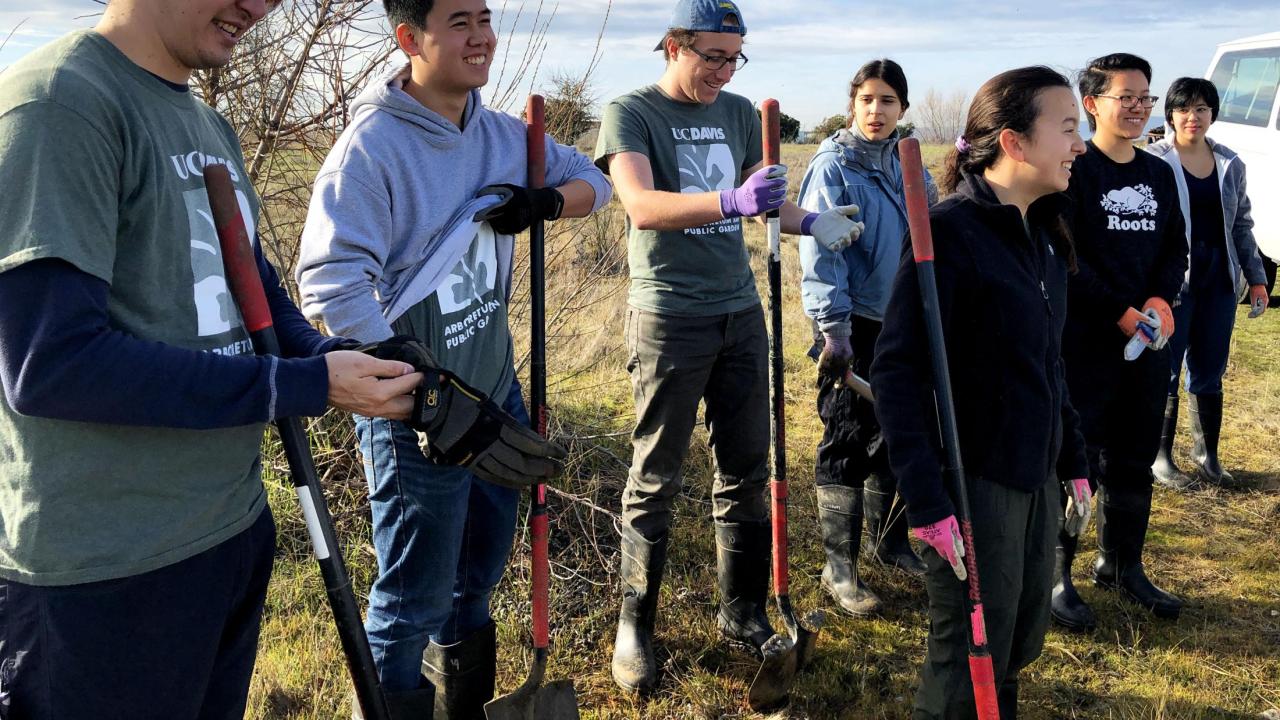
[(1122, 530), (1206, 428), (742, 566), (840, 517), (1164, 468), (463, 674), (887, 526), (1066, 607), (409, 705), (635, 667)]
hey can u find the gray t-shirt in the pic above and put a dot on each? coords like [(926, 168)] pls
[(102, 169), (692, 148)]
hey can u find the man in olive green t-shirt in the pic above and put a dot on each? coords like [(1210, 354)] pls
[(135, 539), (678, 152)]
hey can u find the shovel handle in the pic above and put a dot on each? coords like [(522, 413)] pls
[(539, 529)]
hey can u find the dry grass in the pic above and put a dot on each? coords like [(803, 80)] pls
[(1215, 547)]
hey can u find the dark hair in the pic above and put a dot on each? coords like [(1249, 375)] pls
[(883, 69), (1008, 101), (1184, 92), (686, 38), (410, 12), (1096, 77)]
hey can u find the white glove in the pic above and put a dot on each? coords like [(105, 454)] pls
[(832, 228), (1079, 507)]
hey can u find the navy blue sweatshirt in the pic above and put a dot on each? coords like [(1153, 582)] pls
[(60, 358), (1003, 299)]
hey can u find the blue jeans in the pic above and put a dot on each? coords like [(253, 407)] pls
[(442, 538), (1202, 323)]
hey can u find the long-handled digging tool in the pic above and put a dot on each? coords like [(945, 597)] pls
[(782, 656), (534, 699), (980, 669), (246, 289)]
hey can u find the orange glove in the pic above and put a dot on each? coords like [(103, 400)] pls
[(1166, 314), (1257, 300), (1129, 321)]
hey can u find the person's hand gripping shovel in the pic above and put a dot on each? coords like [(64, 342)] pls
[(782, 657), (942, 536), (535, 699)]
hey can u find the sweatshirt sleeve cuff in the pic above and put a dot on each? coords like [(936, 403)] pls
[(300, 387)]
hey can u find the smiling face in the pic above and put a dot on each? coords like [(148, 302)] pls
[(694, 77), (1053, 143), (1114, 119), (455, 48), (877, 109), (1192, 122), (173, 39)]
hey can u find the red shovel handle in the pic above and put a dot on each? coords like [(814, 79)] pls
[(771, 126), (237, 249), (917, 199)]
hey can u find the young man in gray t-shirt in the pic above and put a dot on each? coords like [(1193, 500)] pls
[(686, 163)]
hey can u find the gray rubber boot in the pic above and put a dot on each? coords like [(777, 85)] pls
[(887, 526), (1164, 468), (1206, 428), (634, 665), (742, 567), (1122, 531), (840, 518), (463, 674)]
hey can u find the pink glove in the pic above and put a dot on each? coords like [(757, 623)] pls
[(944, 537), (1079, 506), (765, 190)]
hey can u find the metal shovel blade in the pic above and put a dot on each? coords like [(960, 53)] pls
[(783, 657), (534, 701)]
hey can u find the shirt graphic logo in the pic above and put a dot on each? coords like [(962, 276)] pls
[(1136, 200), (216, 311), (705, 167), (469, 289)]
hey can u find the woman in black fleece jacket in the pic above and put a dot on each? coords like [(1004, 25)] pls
[(1002, 258)]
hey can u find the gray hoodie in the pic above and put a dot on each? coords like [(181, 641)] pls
[(390, 214)]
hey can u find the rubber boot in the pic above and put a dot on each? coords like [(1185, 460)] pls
[(840, 517), (1122, 530), (1206, 428), (409, 705), (1066, 607), (1165, 470), (887, 526), (463, 674), (742, 566), (634, 665)]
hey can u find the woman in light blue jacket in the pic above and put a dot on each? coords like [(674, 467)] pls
[(845, 293), (1225, 264)]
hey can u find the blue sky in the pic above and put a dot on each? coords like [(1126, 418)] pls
[(805, 59)]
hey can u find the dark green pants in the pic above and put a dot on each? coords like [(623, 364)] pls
[(676, 362), (1013, 532)]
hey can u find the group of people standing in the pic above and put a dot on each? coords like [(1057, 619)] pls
[(135, 539)]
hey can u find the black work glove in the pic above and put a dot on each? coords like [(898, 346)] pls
[(520, 207), (459, 425)]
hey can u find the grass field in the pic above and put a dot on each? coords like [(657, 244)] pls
[(1217, 548)]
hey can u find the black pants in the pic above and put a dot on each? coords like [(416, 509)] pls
[(851, 447), (176, 643)]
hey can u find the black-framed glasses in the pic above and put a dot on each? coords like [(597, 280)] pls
[(1128, 101), (716, 62)]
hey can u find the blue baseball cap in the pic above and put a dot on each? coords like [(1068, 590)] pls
[(706, 16)]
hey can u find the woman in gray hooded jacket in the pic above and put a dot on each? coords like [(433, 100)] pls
[(845, 293), (1225, 264)]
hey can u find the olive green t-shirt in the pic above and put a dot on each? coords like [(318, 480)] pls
[(692, 148), (102, 169)]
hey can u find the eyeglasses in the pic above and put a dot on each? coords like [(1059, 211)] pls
[(716, 62), (1128, 101)]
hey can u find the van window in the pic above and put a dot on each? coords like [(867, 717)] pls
[(1247, 81)]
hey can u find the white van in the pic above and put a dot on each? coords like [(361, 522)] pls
[(1247, 75)]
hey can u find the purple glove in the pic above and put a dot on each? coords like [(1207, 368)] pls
[(836, 353), (944, 537), (765, 190)]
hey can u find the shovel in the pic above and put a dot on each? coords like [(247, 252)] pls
[(782, 657), (534, 700)]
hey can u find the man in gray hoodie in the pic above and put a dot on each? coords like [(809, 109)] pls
[(392, 247)]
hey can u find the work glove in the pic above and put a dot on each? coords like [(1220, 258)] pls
[(944, 537), (832, 228), (1146, 332), (1258, 300), (836, 353), (764, 190), (520, 207), (459, 425), (1166, 319), (1079, 507)]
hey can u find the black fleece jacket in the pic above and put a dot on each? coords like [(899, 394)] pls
[(1003, 298)]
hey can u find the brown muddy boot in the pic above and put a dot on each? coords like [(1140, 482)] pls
[(1165, 470), (840, 518), (742, 567), (1206, 428), (634, 665), (463, 674)]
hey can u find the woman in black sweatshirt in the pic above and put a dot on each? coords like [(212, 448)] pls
[(1002, 258)]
